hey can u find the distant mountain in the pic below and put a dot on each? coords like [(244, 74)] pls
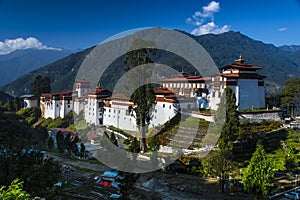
[(61, 72), (291, 48), (278, 65), (20, 62)]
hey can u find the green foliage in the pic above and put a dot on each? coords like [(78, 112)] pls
[(227, 120), (30, 115), (134, 146), (66, 122), (14, 191), (41, 85), (17, 103), (15, 131), (128, 184), (154, 143), (259, 174), (143, 97), (37, 171), (113, 139), (290, 96)]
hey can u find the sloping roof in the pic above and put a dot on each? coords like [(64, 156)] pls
[(100, 91), (243, 75), (188, 79)]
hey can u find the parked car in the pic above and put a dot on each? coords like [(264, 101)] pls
[(292, 195)]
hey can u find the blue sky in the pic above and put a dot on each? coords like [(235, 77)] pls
[(76, 24)]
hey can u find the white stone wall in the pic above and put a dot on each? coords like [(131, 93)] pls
[(259, 116), (249, 96), (30, 103), (49, 109), (66, 106), (163, 112), (262, 98), (79, 106), (119, 116)]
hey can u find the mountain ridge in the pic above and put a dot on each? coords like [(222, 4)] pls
[(278, 65), (20, 62)]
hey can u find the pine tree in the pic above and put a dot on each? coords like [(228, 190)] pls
[(143, 97), (41, 85), (227, 120), (259, 174), (113, 139)]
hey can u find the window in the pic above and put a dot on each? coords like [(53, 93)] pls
[(170, 107), (68, 106), (163, 105)]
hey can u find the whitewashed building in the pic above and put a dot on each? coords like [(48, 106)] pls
[(244, 80), (83, 87), (118, 114), (29, 101), (54, 105), (180, 93), (93, 110)]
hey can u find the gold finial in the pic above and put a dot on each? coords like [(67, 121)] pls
[(240, 60)]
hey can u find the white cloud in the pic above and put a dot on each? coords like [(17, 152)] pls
[(212, 7), (10, 45), (204, 20), (210, 27), (282, 29)]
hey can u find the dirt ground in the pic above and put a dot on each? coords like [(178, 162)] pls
[(168, 186)]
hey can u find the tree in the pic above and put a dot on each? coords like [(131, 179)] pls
[(290, 96), (9, 106), (154, 143), (50, 143), (82, 150), (60, 141), (17, 102), (259, 174), (127, 184), (218, 163), (227, 120), (113, 139), (133, 146), (31, 166), (41, 85), (14, 191), (143, 97)]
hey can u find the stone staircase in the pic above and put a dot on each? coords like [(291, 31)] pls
[(186, 138)]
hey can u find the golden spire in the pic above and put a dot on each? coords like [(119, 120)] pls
[(240, 60)]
